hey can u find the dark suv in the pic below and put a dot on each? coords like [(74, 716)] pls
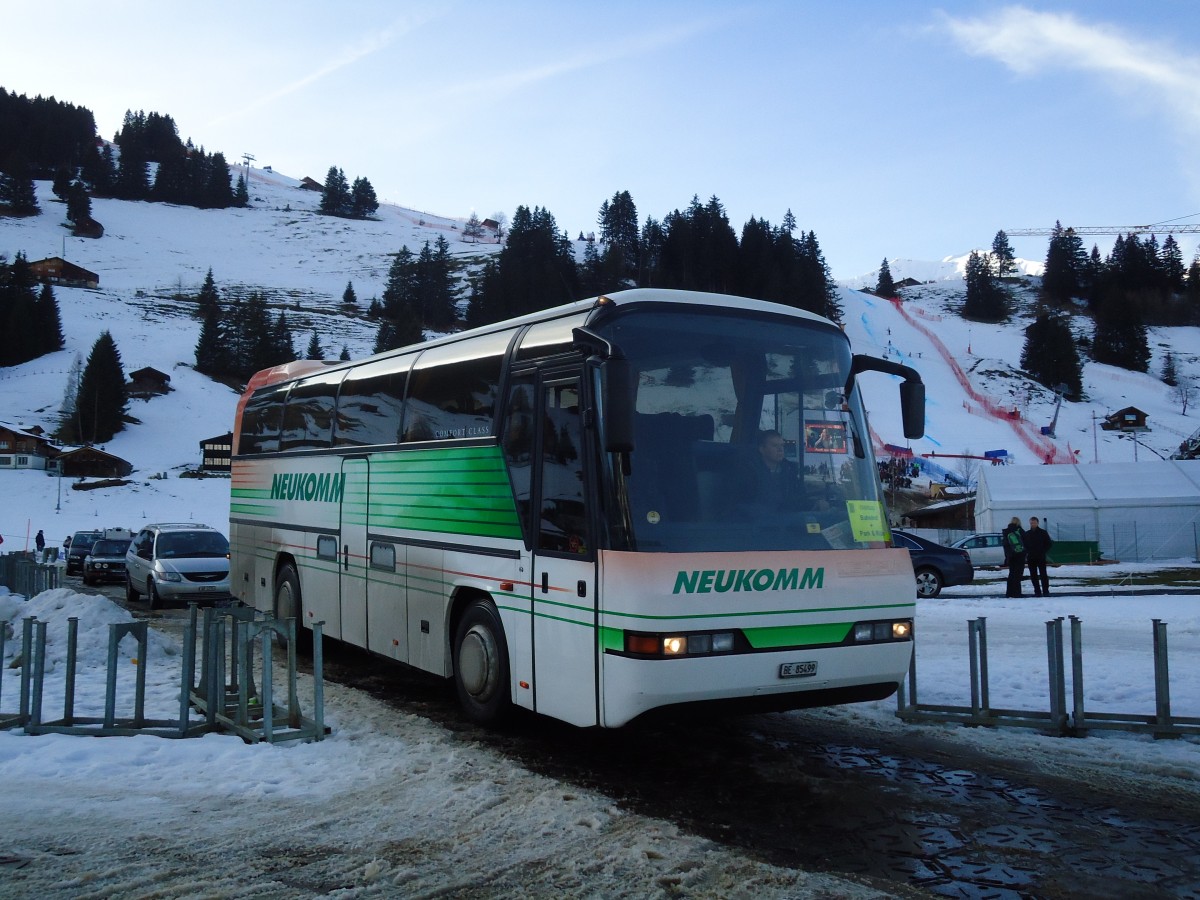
[(105, 561), (81, 546)]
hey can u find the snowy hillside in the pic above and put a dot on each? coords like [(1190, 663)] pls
[(153, 254), (950, 268)]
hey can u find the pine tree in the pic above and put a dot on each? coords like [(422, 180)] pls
[(363, 203), (241, 194), (1066, 262), (618, 221), (1050, 356), (1003, 258), (885, 287), (18, 193), (49, 322), (208, 299), (335, 198), (1170, 376), (212, 355), (314, 350), (344, 356), (1120, 337), (279, 348), (79, 204), (985, 301), (18, 313), (102, 398), (348, 296)]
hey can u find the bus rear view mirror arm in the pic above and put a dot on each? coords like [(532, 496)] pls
[(616, 388), (912, 390)]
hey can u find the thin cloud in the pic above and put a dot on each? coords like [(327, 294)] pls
[(348, 57), (498, 85), (1030, 43)]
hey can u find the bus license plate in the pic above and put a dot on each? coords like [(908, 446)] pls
[(797, 670)]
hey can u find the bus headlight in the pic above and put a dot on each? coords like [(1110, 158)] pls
[(880, 632), (676, 645)]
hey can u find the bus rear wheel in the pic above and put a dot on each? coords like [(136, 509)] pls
[(481, 664), (288, 606)]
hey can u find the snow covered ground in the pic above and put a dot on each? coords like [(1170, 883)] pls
[(395, 804)]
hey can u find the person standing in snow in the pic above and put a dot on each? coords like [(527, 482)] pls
[(39, 542), (1013, 539), (1037, 545)]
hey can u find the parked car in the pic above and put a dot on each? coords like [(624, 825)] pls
[(81, 546), (178, 562), (985, 549), (105, 561), (935, 566)]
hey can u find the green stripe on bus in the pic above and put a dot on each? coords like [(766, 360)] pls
[(797, 635)]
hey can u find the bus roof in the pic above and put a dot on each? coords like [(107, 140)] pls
[(581, 308)]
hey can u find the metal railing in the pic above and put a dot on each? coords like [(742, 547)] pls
[(1057, 718), (226, 694), (22, 574)]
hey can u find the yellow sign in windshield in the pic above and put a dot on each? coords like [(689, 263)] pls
[(867, 521)]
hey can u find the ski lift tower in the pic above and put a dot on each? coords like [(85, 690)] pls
[(1048, 430)]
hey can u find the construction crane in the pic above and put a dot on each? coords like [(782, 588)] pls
[(1164, 226)]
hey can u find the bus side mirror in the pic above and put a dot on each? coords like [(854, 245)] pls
[(912, 408), (616, 389)]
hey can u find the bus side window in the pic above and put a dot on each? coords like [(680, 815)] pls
[(452, 396), (517, 441), (308, 416), (261, 420), (370, 405)]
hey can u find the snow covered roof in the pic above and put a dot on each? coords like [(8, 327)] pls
[(1165, 483)]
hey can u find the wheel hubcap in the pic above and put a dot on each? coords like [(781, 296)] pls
[(477, 663)]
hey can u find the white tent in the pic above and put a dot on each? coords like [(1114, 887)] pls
[(1137, 511)]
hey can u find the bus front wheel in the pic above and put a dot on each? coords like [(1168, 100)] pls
[(481, 664)]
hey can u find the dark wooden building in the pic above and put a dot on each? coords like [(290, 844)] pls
[(92, 462), (216, 453), (57, 270), (148, 382), (1128, 419)]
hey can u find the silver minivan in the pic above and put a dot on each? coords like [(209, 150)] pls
[(178, 561)]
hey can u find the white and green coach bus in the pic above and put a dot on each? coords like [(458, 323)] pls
[(561, 512)]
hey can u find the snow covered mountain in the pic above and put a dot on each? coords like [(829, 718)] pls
[(153, 258)]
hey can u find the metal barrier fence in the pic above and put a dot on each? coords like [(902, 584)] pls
[(22, 574), (225, 695), (1076, 721)]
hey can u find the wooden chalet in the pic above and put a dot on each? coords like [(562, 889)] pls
[(24, 448), (311, 184), (92, 462), (1128, 419), (57, 270), (146, 383), (216, 453)]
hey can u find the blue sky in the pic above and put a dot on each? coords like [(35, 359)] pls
[(897, 129)]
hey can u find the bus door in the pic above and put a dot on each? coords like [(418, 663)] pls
[(355, 559), (564, 560)]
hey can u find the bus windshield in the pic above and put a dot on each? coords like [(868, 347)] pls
[(744, 437)]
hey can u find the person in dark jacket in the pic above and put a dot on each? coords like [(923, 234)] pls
[(1014, 556), (1037, 545), (40, 543)]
